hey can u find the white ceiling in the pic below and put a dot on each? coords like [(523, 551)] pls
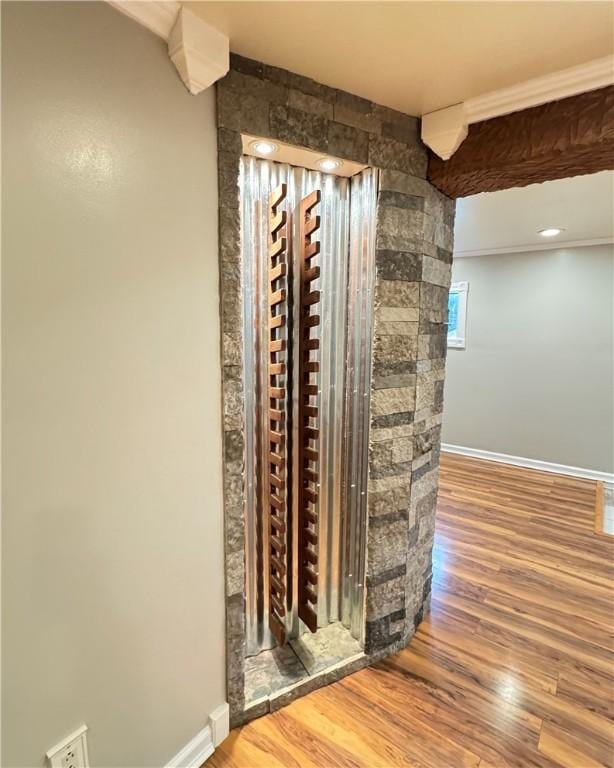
[(416, 56), (504, 221)]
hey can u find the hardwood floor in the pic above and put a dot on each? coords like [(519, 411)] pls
[(513, 667)]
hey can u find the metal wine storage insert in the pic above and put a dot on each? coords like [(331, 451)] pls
[(275, 464), (308, 432), (307, 245)]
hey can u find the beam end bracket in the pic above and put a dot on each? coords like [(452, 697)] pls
[(200, 52), (444, 130)]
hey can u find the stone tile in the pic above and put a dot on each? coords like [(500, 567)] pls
[(271, 671), (385, 598), (423, 486), (437, 272), (392, 419), (388, 575), (407, 184), (422, 443), (397, 293), (395, 348), (231, 349), (390, 500), (366, 121), (398, 265), (434, 297), (310, 104), (230, 235), (233, 484), (396, 156), (300, 128), (389, 433), (380, 454), (408, 126), (444, 255), (379, 634), (385, 521), (396, 328), (232, 373), (228, 182), (432, 345), (255, 87), (235, 571), (402, 450), (401, 200), (246, 66), (427, 326), (231, 315), (425, 392), (347, 142), (438, 345), (436, 438), (229, 144), (419, 462), (426, 420), (233, 446), (426, 505), (389, 470), (387, 544), (233, 405), (355, 103), (386, 484), (413, 538), (393, 374), (399, 229), (230, 279), (256, 709), (426, 528), (238, 111), (397, 314), (406, 134), (300, 83), (396, 400), (235, 652), (329, 646)]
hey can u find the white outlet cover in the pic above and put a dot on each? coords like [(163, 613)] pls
[(71, 752)]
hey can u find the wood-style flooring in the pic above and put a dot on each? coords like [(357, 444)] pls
[(514, 664)]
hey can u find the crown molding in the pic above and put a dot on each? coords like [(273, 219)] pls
[(540, 90), (444, 130), (200, 52), (158, 17), (561, 245)]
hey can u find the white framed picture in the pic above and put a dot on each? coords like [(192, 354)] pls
[(457, 315)]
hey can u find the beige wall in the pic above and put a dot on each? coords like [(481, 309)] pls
[(113, 607), (536, 378)]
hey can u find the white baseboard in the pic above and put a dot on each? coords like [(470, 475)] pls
[(219, 722), (520, 461), (203, 745)]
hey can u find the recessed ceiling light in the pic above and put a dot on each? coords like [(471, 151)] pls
[(550, 232), (263, 147), (328, 164)]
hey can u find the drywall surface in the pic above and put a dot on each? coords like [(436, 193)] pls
[(536, 378), (113, 605)]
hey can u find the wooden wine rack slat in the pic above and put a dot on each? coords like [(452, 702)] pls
[(276, 505), (308, 417)]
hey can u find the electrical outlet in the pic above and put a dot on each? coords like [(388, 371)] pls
[(70, 752)]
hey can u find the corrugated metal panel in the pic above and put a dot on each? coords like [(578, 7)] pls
[(347, 211)]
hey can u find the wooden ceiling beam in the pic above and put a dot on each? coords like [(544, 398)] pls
[(563, 138)]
